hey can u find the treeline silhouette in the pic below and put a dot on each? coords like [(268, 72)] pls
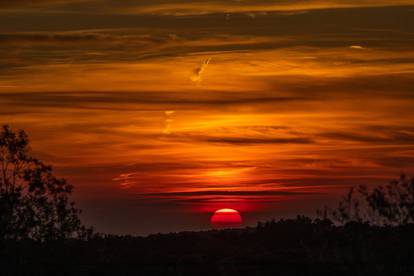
[(287, 247), (370, 232)]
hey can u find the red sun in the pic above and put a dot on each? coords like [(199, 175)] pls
[(226, 218)]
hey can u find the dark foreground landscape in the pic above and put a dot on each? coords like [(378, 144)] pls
[(287, 247)]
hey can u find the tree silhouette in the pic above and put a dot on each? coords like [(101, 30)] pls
[(391, 204), (34, 204)]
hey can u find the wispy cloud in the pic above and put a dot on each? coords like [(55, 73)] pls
[(168, 121), (181, 7), (242, 140), (226, 193), (198, 72), (356, 47)]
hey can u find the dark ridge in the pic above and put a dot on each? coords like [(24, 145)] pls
[(287, 247)]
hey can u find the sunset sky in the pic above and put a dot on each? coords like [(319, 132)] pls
[(160, 112)]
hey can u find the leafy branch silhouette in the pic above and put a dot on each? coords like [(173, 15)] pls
[(391, 204), (34, 204)]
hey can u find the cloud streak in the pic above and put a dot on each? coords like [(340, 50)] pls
[(198, 72), (224, 193), (181, 7)]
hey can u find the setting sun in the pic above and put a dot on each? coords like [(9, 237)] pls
[(226, 218)]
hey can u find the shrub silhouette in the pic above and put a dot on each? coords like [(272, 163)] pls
[(391, 204), (34, 204)]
